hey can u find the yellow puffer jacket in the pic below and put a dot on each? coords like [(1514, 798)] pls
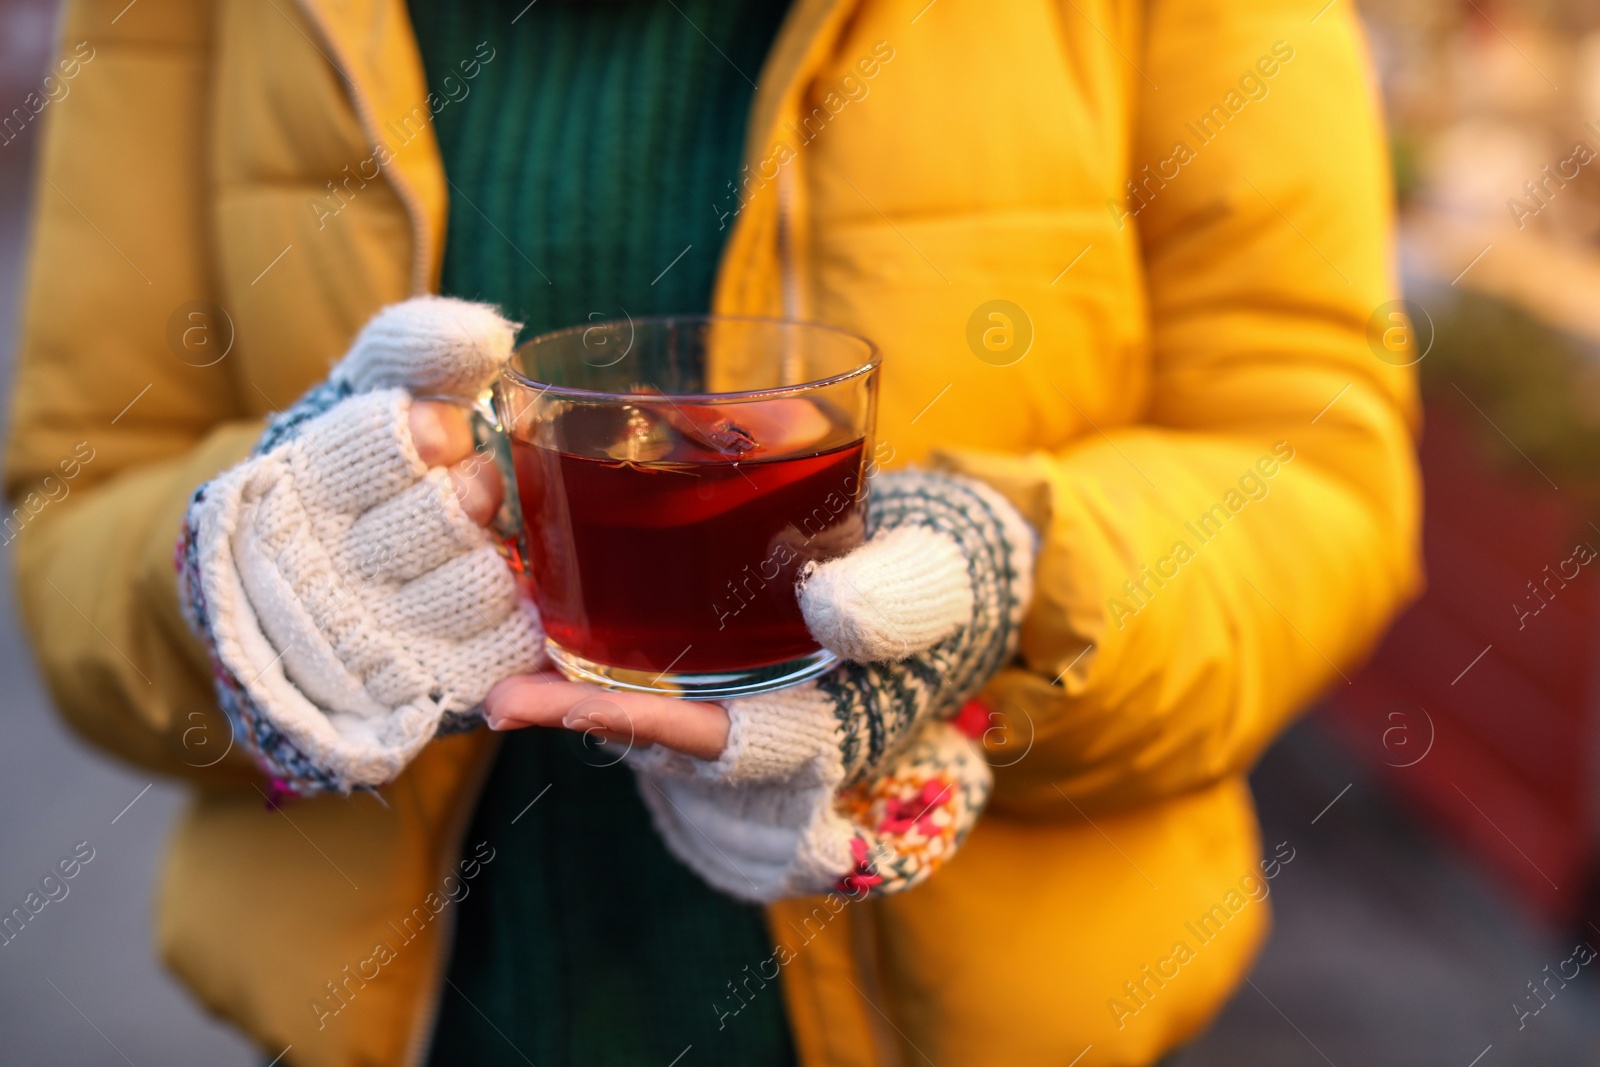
[(1179, 392)]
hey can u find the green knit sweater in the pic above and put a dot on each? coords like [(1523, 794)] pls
[(590, 154)]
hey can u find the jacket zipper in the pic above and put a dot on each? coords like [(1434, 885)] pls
[(421, 276), (792, 366), (427, 1017), (788, 273), (422, 260)]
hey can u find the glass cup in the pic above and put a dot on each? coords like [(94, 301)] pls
[(675, 476)]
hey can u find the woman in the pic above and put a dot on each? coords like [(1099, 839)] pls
[(1119, 260)]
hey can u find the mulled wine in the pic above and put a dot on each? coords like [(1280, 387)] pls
[(678, 549), (674, 478)]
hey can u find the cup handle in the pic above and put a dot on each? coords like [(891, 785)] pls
[(491, 443)]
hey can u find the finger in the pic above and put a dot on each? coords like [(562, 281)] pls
[(442, 432), (697, 729), (521, 700), (430, 345), (479, 487), (359, 453), (687, 726), (466, 595), (411, 533), (901, 593)]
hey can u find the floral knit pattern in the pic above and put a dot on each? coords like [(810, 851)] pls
[(909, 821)]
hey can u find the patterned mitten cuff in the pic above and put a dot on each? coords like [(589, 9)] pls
[(768, 840), (351, 607), (924, 613)]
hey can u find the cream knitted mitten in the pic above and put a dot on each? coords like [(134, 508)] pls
[(351, 606), (859, 779)]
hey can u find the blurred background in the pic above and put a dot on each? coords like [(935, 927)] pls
[(1442, 806)]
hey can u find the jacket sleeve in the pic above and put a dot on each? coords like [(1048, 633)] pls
[(114, 422), (1209, 570)]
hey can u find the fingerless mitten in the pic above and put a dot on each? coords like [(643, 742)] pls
[(857, 780), (351, 607)]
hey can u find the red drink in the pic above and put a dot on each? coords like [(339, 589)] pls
[(675, 476), (685, 561)]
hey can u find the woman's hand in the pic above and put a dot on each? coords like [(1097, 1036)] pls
[(442, 434), (859, 779), (341, 576), (950, 558), (637, 720)]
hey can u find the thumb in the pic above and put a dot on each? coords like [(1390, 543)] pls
[(429, 346), (899, 594)]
